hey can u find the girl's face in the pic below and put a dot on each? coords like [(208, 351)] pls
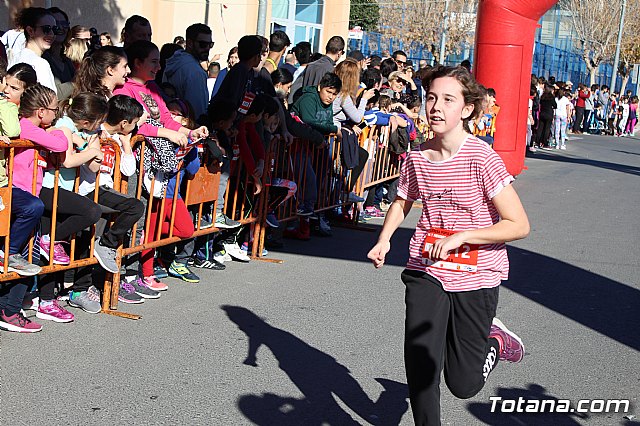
[(104, 41), (42, 34), (118, 75), (177, 116), (14, 89), (283, 89), (149, 67), (49, 113), (445, 105)]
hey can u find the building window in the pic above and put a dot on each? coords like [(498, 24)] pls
[(300, 19)]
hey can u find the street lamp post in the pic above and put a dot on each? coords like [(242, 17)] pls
[(616, 61)]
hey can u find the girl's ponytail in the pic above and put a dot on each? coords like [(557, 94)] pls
[(86, 106)]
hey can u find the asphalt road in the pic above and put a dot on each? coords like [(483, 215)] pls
[(326, 328)]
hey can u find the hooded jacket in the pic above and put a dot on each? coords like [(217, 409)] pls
[(310, 109), (184, 72)]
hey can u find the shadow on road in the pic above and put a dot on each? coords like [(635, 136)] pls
[(606, 306), (506, 415), (623, 168), (318, 376)]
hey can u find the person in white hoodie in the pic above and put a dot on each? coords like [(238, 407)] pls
[(184, 72)]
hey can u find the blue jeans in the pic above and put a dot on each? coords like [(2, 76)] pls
[(26, 211)]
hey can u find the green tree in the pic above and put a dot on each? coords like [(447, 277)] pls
[(365, 14)]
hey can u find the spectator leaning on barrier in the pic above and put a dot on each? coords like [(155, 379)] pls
[(184, 72)]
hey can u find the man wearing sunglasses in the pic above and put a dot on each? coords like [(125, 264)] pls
[(400, 59), (184, 72)]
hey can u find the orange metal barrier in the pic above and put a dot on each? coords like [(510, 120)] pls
[(201, 189)]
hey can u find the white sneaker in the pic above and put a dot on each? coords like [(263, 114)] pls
[(222, 256), (236, 252)]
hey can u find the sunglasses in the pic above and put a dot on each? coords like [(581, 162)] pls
[(401, 62), (48, 29), (205, 44)]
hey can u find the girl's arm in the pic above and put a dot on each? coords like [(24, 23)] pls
[(76, 159), (173, 135), (399, 209), (513, 225)]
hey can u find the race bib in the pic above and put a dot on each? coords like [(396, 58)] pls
[(108, 160), (42, 159), (463, 259), (236, 151), (247, 100)]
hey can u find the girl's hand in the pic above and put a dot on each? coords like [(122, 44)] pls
[(178, 138), (258, 185), (443, 246), (369, 94), (143, 119), (357, 130), (5, 139), (199, 133), (378, 253), (257, 173)]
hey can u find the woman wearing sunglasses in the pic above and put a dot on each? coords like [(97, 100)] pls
[(40, 32), (62, 67)]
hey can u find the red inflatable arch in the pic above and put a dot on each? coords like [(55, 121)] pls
[(503, 58)]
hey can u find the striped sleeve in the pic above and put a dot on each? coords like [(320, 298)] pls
[(408, 181), (494, 175)]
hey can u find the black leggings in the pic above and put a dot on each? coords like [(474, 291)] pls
[(446, 330), (75, 213)]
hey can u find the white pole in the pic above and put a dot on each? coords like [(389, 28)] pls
[(443, 41), (616, 61)]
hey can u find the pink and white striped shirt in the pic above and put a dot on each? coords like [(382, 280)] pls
[(456, 195)]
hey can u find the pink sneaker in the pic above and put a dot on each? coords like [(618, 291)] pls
[(18, 323), (373, 211), (511, 346), (60, 256), (54, 312), (154, 284)]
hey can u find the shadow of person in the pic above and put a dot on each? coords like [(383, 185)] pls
[(507, 415), (318, 376)]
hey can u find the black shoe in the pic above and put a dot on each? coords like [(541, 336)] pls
[(208, 264)]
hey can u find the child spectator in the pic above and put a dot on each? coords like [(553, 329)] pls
[(462, 337), (123, 115), (26, 209), (314, 108), (38, 108), (561, 117), (18, 78), (239, 79), (633, 116)]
